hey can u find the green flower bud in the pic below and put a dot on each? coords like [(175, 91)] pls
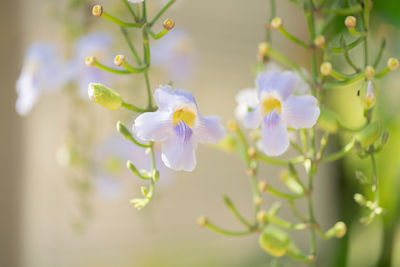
[(338, 230), (274, 241), (328, 121), (290, 181), (369, 134), (104, 96)]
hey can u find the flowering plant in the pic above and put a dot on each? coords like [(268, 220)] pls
[(287, 109)]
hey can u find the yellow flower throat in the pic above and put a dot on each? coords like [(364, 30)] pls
[(270, 103), (185, 115)]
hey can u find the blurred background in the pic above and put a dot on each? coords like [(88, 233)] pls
[(59, 210)]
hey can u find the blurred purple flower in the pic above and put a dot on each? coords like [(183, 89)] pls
[(175, 54), (41, 72)]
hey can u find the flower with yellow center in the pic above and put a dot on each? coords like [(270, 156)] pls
[(275, 107), (179, 126)]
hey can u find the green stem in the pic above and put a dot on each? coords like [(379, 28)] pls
[(260, 156), (162, 11), (217, 229), (382, 73), (339, 154), (277, 193), (131, 47), (158, 35), (135, 17), (272, 8), (379, 56), (136, 109), (105, 68), (235, 212), (344, 11), (120, 22), (337, 50), (133, 69), (134, 170), (292, 38)]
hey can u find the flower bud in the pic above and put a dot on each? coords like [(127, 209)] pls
[(261, 216), (319, 41), (104, 96), (350, 21), (251, 152), (276, 23), (119, 60), (369, 72), (169, 24), (288, 179), (341, 229), (274, 241), (258, 201), (97, 10), (326, 68), (232, 126), (328, 121), (370, 98), (360, 199), (369, 134), (262, 186), (201, 221), (393, 63), (89, 61), (263, 48)]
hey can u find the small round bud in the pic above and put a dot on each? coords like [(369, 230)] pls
[(393, 63), (119, 60), (104, 96), (319, 41), (97, 10), (261, 216), (350, 21), (169, 24), (263, 48), (258, 201), (89, 61), (201, 221), (341, 229), (251, 152), (262, 186), (250, 172), (276, 23), (326, 68), (369, 72), (232, 126)]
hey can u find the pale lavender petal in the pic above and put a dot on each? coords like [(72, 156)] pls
[(153, 126), (178, 151), (275, 139), (283, 83), (253, 118), (300, 111), (209, 130), (163, 96), (169, 100)]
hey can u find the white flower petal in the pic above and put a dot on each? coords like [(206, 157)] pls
[(178, 151), (300, 111), (209, 130), (246, 99), (275, 139), (253, 118), (153, 126), (302, 87)]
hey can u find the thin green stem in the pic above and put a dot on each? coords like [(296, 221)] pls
[(382, 73), (379, 56), (134, 170), (343, 11), (277, 193), (260, 156), (272, 12), (338, 50), (128, 6), (217, 229), (235, 212), (112, 70), (136, 109), (120, 22), (157, 36), (131, 47), (133, 69), (161, 12), (339, 154), (281, 58), (292, 38)]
